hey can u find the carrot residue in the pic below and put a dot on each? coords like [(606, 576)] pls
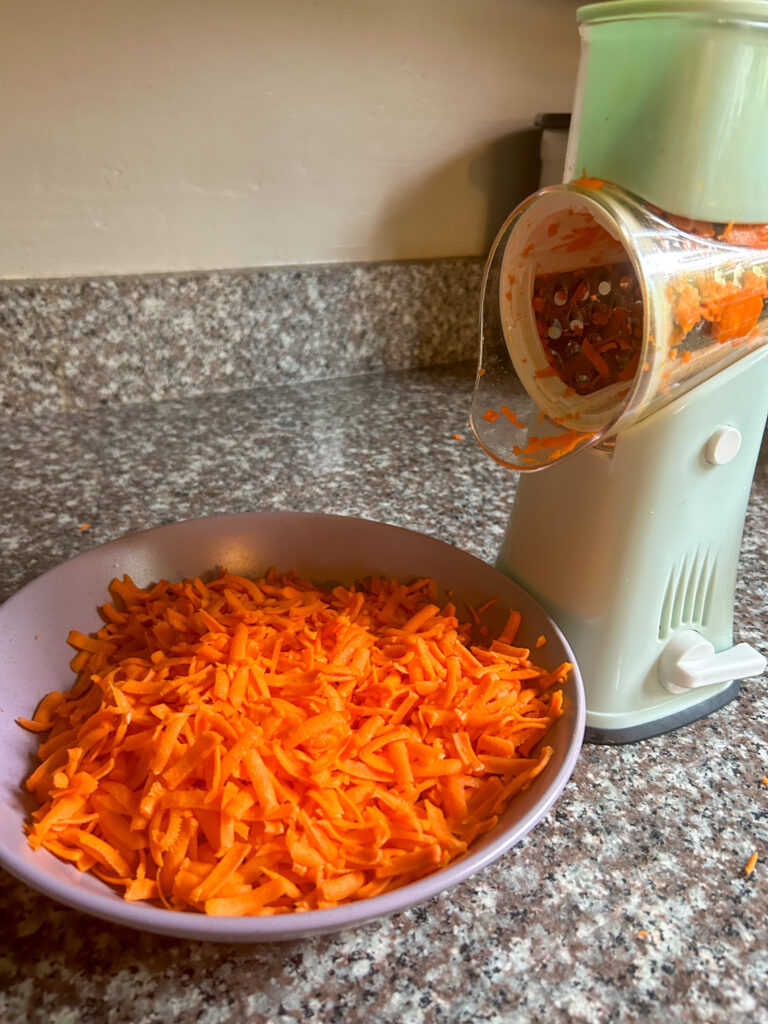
[(586, 182), (731, 310), (265, 746), (512, 417), (560, 444), (750, 865)]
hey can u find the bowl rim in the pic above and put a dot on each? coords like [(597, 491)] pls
[(284, 927)]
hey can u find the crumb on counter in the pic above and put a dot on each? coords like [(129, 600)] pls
[(458, 437), (749, 867), (83, 527), (643, 934)]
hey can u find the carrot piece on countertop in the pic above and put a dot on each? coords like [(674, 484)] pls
[(749, 867)]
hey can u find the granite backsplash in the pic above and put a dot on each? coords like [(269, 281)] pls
[(71, 344)]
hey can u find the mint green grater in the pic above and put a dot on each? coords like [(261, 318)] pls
[(624, 366)]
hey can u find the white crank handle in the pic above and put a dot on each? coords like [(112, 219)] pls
[(689, 661)]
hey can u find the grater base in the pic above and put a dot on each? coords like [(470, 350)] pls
[(657, 727)]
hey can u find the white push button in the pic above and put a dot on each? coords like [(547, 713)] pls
[(723, 446)]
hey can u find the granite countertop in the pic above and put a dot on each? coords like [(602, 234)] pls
[(629, 900)]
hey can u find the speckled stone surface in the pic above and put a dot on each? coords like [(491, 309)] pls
[(628, 902), (77, 344)]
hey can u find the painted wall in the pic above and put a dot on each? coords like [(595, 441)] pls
[(154, 135)]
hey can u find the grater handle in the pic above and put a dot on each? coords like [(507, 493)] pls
[(689, 661)]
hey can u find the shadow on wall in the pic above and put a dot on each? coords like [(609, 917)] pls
[(506, 172), (503, 171)]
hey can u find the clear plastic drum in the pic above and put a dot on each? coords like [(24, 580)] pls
[(599, 309)]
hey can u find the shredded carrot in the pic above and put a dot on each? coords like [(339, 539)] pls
[(490, 415), (264, 746), (586, 182), (511, 627), (561, 444), (512, 417), (83, 527), (595, 358), (732, 309), (750, 865)]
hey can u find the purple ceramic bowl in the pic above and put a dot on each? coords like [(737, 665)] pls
[(35, 657)]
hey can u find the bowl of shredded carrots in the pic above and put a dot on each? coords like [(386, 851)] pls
[(263, 726)]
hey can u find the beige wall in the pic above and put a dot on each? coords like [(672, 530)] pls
[(146, 135)]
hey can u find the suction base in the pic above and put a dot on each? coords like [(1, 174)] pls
[(657, 727)]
